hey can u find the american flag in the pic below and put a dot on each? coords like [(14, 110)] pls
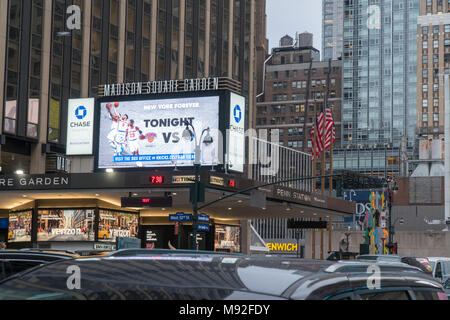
[(330, 131), (318, 143), (316, 138)]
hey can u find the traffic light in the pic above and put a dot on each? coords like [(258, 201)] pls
[(200, 194)]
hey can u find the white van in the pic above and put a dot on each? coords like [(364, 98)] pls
[(441, 268)]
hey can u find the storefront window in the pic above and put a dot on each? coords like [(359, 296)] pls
[(65, 225), (227, 238), (19, 229)]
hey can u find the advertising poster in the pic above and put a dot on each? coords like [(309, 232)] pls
[(236, 134), (20, 226), (227, 237), (113, 224), (66, 225), (149, 133), (80, 126)]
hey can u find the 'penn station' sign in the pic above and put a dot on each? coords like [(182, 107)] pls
[(158, 87)]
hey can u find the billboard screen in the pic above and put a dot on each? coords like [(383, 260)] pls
[(227, 237), (19, 229), (66, 225), (80, 126), (113, 224), (236, 135), (149, 133)]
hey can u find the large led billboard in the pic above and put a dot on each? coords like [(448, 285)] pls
[(149, 133), (227, 238)]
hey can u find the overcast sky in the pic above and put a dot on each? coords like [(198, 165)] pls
[(291, 16)]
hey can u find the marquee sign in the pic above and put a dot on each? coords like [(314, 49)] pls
[(157, 87)]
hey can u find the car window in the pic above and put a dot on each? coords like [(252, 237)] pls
[(385, 295), (19, 266), (426, 295), (438, 273)]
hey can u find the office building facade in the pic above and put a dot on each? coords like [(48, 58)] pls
[(433, 58), (379, 75), (54, 50), (332, 29), (296, 83)]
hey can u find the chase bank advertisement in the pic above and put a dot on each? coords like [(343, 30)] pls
[(149, 133)]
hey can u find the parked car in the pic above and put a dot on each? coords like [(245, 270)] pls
[(447, 288), (440, 267), (16, 261), (153, 252), (380, 257), (220, 277), (420, 262)]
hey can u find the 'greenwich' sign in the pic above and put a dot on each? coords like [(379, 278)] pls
[(34, 182), (155, 87)]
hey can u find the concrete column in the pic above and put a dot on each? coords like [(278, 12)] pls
[(230, 40), (181, 40), (153, 52), (37, 163), (122, 41), (86, 14), (207, 37), (3, 33), (245, 236)]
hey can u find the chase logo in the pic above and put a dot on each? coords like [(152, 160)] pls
[(80, 112), (237, 114)]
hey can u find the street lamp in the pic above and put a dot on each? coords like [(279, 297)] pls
[(391, 187), (188, 135)]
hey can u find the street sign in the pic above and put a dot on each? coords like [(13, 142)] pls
[(203, 217), (104, 246), (293, 224), (180, 217), (203, 227)]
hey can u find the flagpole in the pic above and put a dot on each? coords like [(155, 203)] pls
[(314, 147), (323, 143)]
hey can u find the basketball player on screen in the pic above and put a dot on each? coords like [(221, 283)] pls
[(115, 119), (133, 133)]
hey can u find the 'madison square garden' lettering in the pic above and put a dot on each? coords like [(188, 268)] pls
[(30, 182)]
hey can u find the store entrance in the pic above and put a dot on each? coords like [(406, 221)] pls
[(167, 237)]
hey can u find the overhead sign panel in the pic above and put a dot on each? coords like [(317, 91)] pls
[(149, 133), (80, 126)]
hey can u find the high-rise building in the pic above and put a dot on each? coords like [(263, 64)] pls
[(433, 58), (379, 74), (332, 28), (296, 82), (53, 50)]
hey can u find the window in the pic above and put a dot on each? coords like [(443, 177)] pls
[(435, 44), (447, 28), (425, 88), (436, 29), (426, 295), (425, 44), (385, 295), (424, 59), (425, 30), (435, 117), (424, 117)]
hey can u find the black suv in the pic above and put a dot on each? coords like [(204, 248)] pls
[(16, 261), (221, 277)]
